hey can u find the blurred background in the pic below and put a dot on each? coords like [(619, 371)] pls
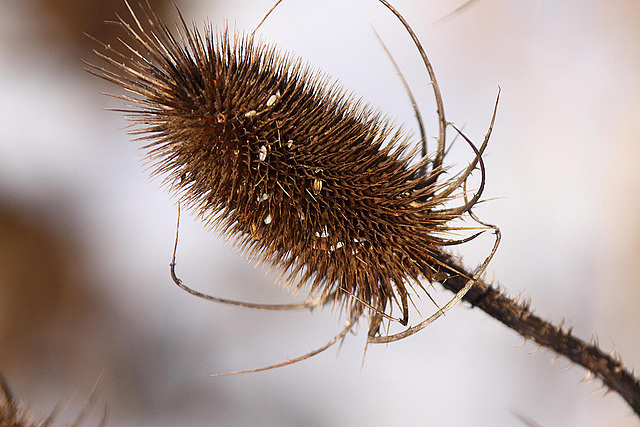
[(86, 237)]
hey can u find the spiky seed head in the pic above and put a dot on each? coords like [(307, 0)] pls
[(286, 162)]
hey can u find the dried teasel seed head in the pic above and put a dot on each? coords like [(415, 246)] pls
[(11, 415), (301, 174)]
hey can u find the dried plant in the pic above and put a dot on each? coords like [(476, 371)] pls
[(307, 178), (301, 174), (11, 415)]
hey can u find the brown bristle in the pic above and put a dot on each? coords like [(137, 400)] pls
[(291, 166)]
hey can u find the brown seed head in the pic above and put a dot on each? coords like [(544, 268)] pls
[(286, 162), (11, 415)]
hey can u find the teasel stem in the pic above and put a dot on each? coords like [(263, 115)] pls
[(519, 317), (515, 315)]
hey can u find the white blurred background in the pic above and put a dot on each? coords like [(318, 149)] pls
[(86, 237)]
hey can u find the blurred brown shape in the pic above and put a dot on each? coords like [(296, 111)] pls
[(64, 23), (41, 287)]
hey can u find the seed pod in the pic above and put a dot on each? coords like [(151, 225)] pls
[(228, 119)]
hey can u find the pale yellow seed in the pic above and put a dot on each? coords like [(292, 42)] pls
[(317, 186)]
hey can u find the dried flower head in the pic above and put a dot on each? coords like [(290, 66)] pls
[(11, 415), (286, 162)]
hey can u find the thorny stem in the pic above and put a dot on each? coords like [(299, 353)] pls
[(515, 315), (520, 318)]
